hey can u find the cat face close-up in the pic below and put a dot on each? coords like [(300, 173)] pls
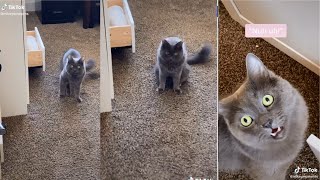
[(75, 67), (258, 114), (171, 52)]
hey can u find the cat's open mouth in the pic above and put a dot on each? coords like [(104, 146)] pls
[(276, 131)]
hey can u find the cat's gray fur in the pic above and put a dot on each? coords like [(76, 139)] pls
[(73, 69), (173, 62), (252, 148)]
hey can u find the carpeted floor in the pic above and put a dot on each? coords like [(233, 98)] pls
[(162, 136), (233, 47), (59, 138)]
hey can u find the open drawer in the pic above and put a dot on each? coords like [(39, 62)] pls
[(35, 49), (121, 36)]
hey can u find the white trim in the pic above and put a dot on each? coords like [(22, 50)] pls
[(24, 27), (106, 81), (41, 46), (131, 22), (108, 47)]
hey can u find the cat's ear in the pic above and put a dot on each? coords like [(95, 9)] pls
[(178, 46), (82, 58), (223, 110), (70, 58), (224, 106), (255, 68), (165, 44)]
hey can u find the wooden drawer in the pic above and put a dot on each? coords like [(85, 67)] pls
[(121, 36), (36, 57)]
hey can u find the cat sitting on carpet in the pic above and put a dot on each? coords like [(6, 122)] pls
[(262, 125), (73, 70), (173, 62)]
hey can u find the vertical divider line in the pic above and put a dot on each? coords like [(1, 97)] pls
[(217, 74)]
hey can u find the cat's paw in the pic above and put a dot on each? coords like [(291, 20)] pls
[(79, 99), (178, 91)]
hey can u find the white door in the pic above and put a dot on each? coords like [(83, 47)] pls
[(13, 75)]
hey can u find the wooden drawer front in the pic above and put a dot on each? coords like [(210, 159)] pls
[(121, 36)]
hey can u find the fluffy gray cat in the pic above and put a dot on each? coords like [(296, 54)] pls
[(262, 125), (73, 69), (173, 62)]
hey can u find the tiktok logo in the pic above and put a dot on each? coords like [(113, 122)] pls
[(4, 7), (296, 171)]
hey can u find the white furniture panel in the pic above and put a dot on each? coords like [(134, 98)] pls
[(106, 77), (14, 95)]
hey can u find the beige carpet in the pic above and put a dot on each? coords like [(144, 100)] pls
[(166, 136), (59, 138), (233, 47)]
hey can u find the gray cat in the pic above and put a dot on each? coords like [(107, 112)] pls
[(73, 69), (173, 62), (262, 125)]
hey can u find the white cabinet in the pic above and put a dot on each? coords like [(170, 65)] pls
[(14, 91)]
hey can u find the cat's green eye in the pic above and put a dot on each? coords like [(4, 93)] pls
[(267, 100), (246, 121)]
